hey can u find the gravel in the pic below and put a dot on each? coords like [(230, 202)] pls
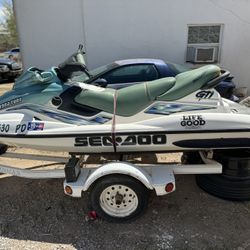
[(35, 214)]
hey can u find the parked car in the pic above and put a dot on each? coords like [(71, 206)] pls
[(124, 73), (9, 69), (13, 54)]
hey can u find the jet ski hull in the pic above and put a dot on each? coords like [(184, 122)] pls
[(144, 142), (176, 133)]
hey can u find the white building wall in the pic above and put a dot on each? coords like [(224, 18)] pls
[(117, 29), (158, 29), (48, 30)]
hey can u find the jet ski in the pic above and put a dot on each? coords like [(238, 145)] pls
[(48, 111)]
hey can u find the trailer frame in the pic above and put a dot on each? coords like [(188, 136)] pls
[(80, 177)]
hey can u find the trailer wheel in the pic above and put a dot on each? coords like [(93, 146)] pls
[(3, 148), (119, 198)]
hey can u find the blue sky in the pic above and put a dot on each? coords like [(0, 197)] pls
[(1, 9)]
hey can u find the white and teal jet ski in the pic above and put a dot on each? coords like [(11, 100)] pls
[(169, 114)]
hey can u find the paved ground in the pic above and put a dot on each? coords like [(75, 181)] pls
[(4, 86), (35, 214)]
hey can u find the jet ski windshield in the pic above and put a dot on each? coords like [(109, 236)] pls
[(34, 76)]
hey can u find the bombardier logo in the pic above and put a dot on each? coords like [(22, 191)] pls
[(129, 140)]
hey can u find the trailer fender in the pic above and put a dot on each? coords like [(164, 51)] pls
[(119, 168)]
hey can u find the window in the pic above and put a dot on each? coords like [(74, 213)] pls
[(203, 43), (132, 73), (204, 34), (15, 50)]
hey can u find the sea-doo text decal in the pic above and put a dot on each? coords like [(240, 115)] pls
[(10, 103), (129, 140), (205, 94), (192, 121)]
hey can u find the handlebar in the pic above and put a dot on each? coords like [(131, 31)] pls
[(75, 63), (80, 55)]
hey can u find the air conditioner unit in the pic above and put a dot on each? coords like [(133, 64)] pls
[(202, 54)]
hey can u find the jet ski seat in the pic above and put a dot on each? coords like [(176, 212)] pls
[(132, 100), (191, 81), (129, 101)]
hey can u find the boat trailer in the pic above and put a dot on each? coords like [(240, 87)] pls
[(118, 189)]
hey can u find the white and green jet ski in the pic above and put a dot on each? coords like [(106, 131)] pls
[(169, 114)]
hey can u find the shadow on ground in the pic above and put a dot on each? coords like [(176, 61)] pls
[(37, 210), (4, 81)]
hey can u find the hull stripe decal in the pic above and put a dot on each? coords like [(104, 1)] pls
[(123, 133), (214, 143)]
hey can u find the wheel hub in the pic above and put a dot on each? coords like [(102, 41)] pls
[(118, 200)]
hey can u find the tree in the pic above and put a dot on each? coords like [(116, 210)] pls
[(10, 23)]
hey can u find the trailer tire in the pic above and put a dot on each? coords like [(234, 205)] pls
[(3, 148), (225, 187), (234, 182), (119, 198)]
